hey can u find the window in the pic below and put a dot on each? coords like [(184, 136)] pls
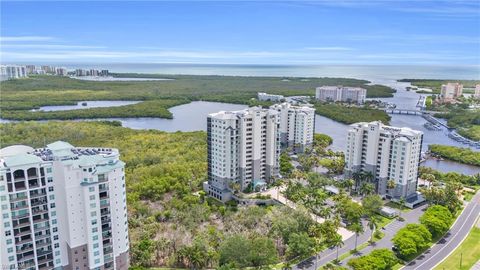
[(92, 197), (91, 189), (10, 250), (56, 245), (49, 179), (50, 188), (2, 188), (49, 170)]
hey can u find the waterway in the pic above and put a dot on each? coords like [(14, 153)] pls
[(192, 117), (87, 104)]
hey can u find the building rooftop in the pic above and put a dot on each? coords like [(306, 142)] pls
[(21, 159), (17, 155), (15, 150)]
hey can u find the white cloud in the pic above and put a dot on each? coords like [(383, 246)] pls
[(49, 46), (329, 48), (25, 38)]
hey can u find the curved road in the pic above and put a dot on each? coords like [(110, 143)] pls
[(437, 253)]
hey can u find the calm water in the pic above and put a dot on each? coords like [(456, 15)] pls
[(450, 166), (187, 117), (90, 104)]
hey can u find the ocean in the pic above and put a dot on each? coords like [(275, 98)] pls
[(368, 72)]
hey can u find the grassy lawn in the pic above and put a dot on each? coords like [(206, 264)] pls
[(383, 221), (397, 206), (467, 196), (469, 250)]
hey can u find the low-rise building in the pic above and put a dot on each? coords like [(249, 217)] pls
[(341, 93), (270, 97)]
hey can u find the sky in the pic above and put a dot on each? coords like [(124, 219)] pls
[(371, 32)]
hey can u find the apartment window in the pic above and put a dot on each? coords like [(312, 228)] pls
[(56, 245), (49, 170), (9, 241), (11, 258), (93, 214), (3, 198), (49, 179), (91, 189), (50, 188), (10, 250), (2, 188)]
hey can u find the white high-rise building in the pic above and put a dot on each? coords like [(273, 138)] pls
[(451, 91), (63, 207), (12, 72), (477, 91), (341, 93), (388, 153), (243, 150), (297, 125), (61, 71)]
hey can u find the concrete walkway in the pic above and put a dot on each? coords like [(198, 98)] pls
[(277, 194)]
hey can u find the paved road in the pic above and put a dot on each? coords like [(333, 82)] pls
[(390, 231), (452, 239), (330, 254)]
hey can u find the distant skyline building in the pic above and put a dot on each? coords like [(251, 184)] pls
[(297, 125), (451, 91), (341, 93), (61, 71), (63, 207), (8, 72), (388, 153), (31, 69), (243, 150), (270, 97), (477, 91)]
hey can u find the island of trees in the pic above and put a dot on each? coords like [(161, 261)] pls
[(21, 97)]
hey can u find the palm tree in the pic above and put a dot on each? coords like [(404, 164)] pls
[(337, 242), (357, 177), (357, 229), (402, 204), (349, 184), (372, 224), (368, 176), (325, 212), (367, 189), (391, 185)]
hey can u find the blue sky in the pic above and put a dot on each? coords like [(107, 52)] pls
[(232, 32)]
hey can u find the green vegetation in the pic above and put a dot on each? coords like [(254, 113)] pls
[(437, 219), (468, 253), (171, 221), (450, 177), (467, 122), (462, 155), (471, 132), (20, 96), (412, 240), (151, 108), (351, 114), (436, 85), (379, 259)]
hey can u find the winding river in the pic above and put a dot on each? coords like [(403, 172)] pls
[(192, 117)]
